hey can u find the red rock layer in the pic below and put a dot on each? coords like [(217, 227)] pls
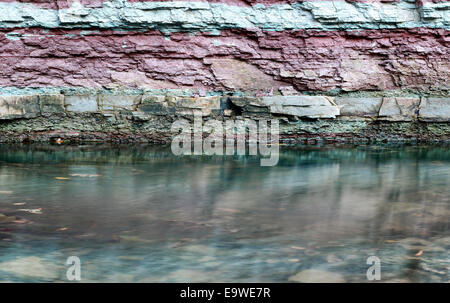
[(237, 60)]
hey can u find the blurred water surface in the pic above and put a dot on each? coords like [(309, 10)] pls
[(141, 214)]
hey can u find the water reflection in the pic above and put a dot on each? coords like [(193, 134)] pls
[(137, 214)]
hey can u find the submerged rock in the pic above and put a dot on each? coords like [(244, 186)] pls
[(317, 276), (32, 267), (331, 258)]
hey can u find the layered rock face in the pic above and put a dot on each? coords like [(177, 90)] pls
[(357, 62), (237, 60), (149, 117)]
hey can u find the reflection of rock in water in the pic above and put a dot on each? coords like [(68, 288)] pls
[(444, 241), (318, 210), (159, 231), (6, 219), (417, 245), (412, 269), (413, 219)]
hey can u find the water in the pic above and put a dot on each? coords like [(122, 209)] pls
[(140, 214)]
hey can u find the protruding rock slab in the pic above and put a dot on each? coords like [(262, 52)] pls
[(81, 103), (435, 110), (297, 101), (300, 106), (317, 276), (359, 107), (16, 107), (399, 109), (119, 102), (172, 105), (197, 103), (282, 101), (307, 111), (244, 101)]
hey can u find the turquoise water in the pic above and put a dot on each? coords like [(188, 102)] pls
[(141, 214)]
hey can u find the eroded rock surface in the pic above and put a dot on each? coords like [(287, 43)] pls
[(149, 117)]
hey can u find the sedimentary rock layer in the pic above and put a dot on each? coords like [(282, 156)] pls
[(60, 4), (65, 67), (144, 118), (143, 107), (206, 16), (318, 46), (237, 60), (55, 4)]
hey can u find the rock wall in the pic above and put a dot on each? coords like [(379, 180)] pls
[(149, 117), (354, 64)]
